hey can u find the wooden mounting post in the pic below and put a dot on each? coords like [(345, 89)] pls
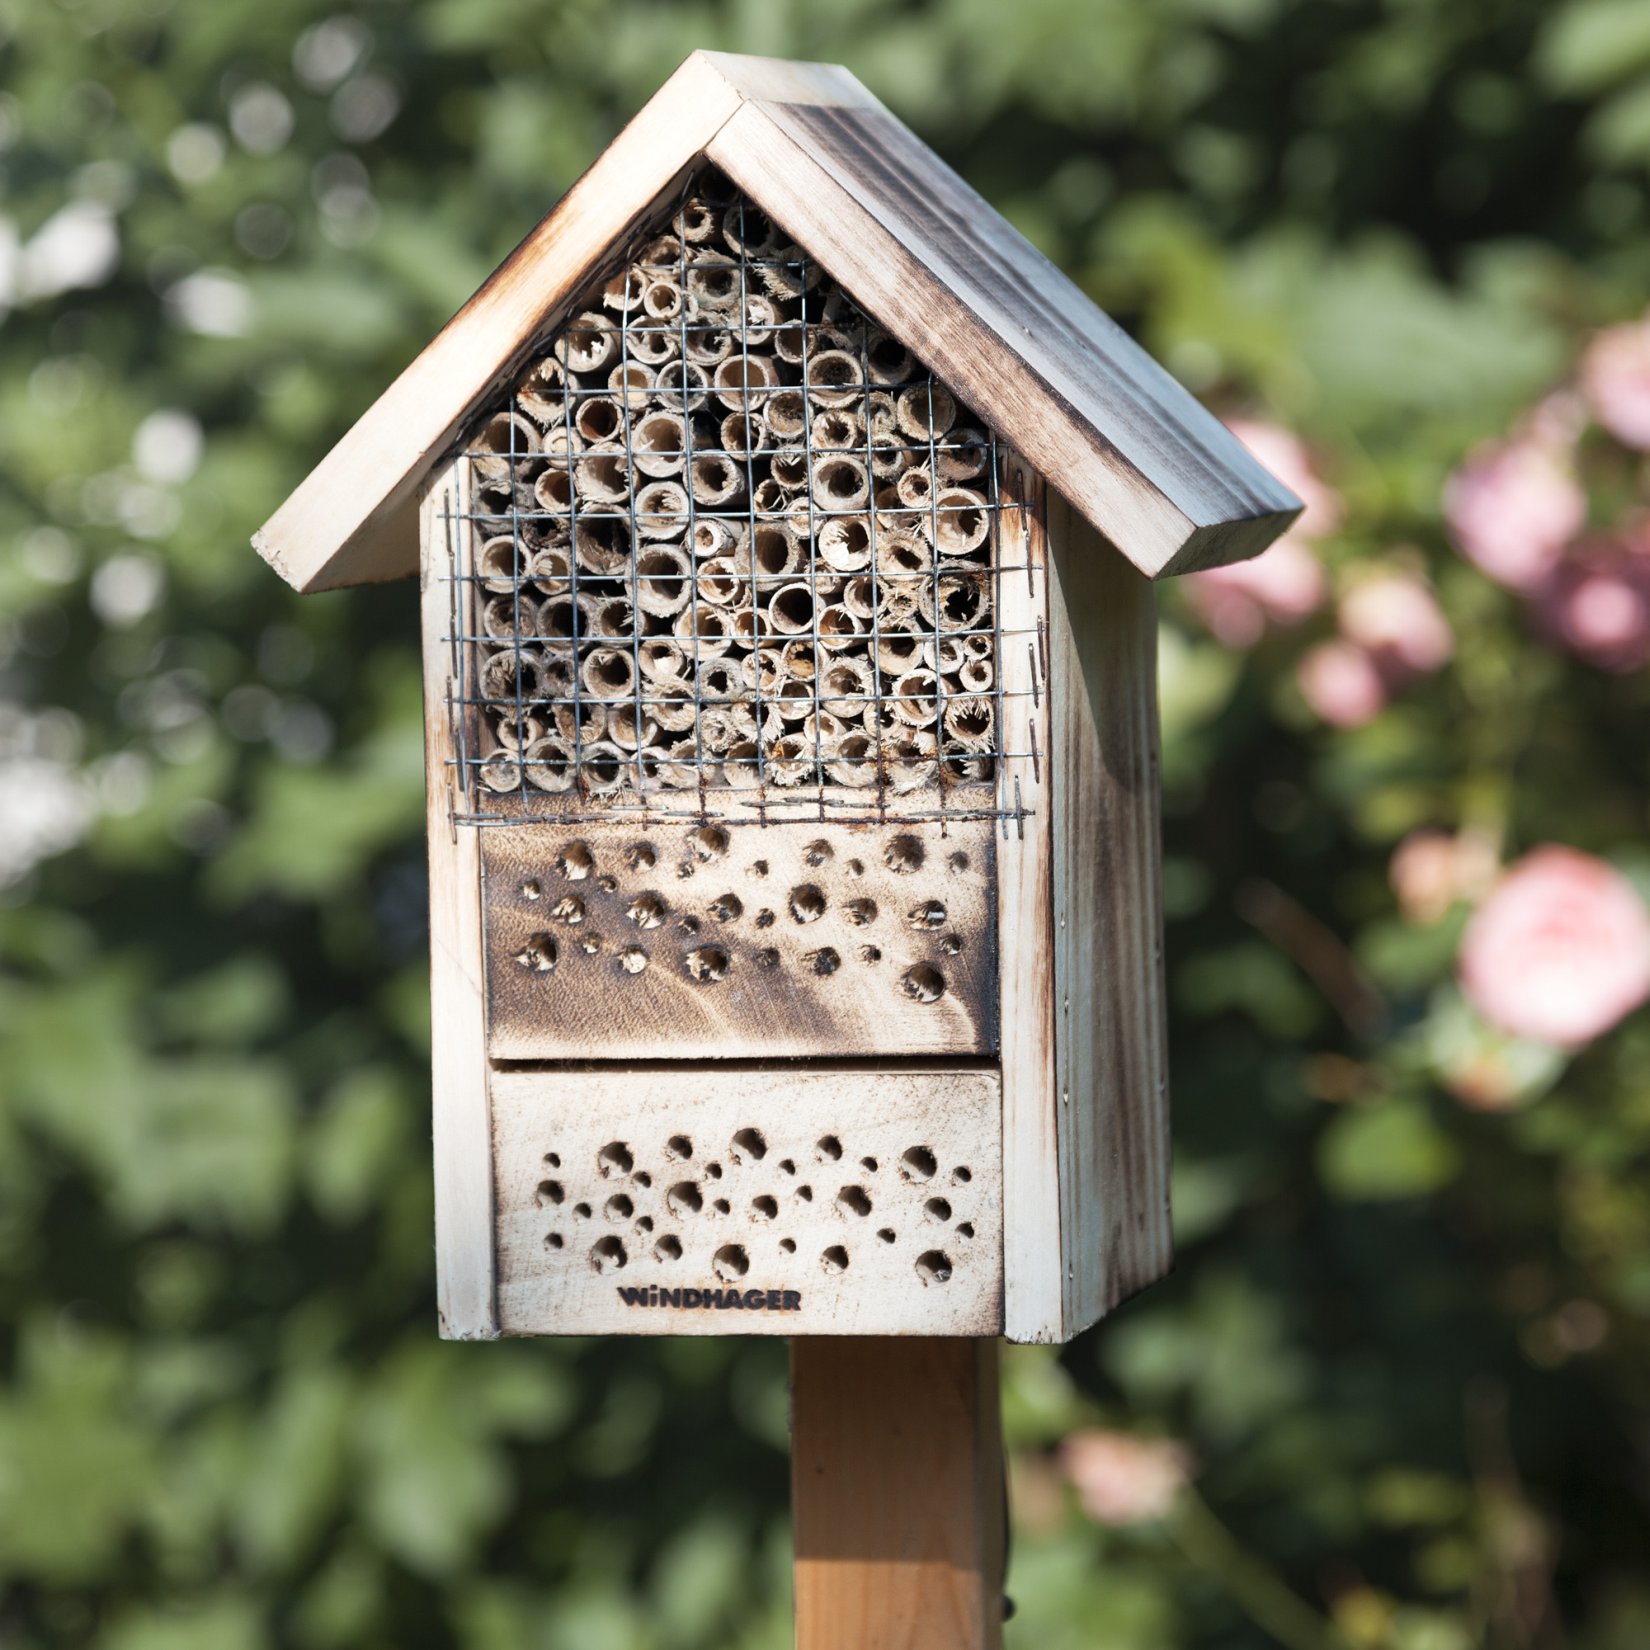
[(897, 1494)]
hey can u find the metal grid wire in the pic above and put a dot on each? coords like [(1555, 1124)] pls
[(729, 551)]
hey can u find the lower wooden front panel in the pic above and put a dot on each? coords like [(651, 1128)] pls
[(651, 1201)]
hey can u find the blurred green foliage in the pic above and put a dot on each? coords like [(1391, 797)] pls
[(1408, 1342)]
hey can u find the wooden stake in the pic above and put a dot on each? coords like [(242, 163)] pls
[(897, 1494)]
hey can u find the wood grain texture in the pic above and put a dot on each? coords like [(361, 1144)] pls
[(1109, 1030), (633, 940), (693, 1178), (458, 1056), (1166, 483), (1032, 1258), (897, 1494)]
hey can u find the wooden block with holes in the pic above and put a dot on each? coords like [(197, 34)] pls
[(786, 528)]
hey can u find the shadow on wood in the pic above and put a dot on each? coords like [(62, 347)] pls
[(897, 1490)]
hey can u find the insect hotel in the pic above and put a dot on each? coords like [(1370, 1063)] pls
[(786, 527)]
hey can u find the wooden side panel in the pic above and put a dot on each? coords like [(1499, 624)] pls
[(1166, 482), (636, 939), (1032, 1296), (1110, 1055), (742, 1200), (458, 1055), (897, 1491)]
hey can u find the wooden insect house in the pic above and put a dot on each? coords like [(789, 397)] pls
[(786, 527)]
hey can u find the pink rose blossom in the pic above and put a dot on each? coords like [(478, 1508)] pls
[(1342, 684), (1282, 586), (1396, 619), (1512, 508), (1559, 951), (1284, 454), (1597, 604), (1121, 1479), (1615, 374), (1431, 869)]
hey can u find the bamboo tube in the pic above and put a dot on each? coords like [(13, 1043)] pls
[(838, 428), (845, 687), (631, 382), (541, 393), (854, 763), (789, 467), (955, 603), (548, 764), (601, 475), (888, 360), (714, 481), (709, 345), (881, 416), (588, 343), (722, 581), (631, 730), (761, 317), (658, 443), (970, 723), (770, 499), (840, 482), (654, 347), (891, 457), (604, 768), (613, 618), (506, 617), (910, 760), (673, 706), (943, 654), (859, 596), (677, 765), (662, 301), (792, 702), (798, 660), (499, 564), (822, 730), (714, 287), (749, 231), (715, 538), (719, 679), (791, 274), (602, 544), (662, 659), (793, 341), (742, 765), (785, 415), (600, 420), (763, 670), (840, 628), (663, 581), (579, 724), (663, 252), (915, 487), (564, 618), (696, 222), (507, 675), (741, 434), (623, 293), (775, 552), (845, 543), (708, 630), (743, 378), (556, 671), (833, 378), (925, 411), (897, 652), (682, 386), (503, 441), (743, 718), (716, 729), (661, 510), (896, 603), (608, 674), (969, 769), (964, 454), (901, 553), (553, 490), (964, 520), (916, 698), (495, 498), (791, 609), (501, 773), (788, 760)]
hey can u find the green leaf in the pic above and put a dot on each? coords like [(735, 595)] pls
[(1390, 1150)]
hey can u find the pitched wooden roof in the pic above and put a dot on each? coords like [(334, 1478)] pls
[(1131, 449)]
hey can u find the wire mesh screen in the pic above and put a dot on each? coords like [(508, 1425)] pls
[(729, 547)]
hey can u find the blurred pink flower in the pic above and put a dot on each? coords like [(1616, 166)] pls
[(1342, 684), (1121, 1479), (1282, 586), (1615, 374), (1395, 618), (1285, 455), (1560, 949), (1512, 507), (1597, 603), (1431, 869)]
